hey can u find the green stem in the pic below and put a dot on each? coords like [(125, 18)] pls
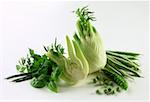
[(19, 75), (23, 79)]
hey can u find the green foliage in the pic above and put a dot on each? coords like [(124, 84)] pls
[(39, 82), (52, 85), (42, 70)]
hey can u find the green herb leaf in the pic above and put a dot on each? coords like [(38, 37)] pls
[(53, 86), (38, 82)]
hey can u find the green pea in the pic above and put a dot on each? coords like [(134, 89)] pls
[(98, 92)]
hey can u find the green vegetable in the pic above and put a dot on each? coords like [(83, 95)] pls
[(42, 70), (98, 92), (124, 59), (86, 55), (53, 86), (118, 89), (126, 53), (89, 40), (121, 66), (75, 63), (116, 78), (114, 62), (28, 77), (54, 79), (109, 91), (39, 82)]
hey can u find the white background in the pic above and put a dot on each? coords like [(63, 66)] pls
[(122, 25)]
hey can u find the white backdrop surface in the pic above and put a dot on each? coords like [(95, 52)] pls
[(122, 25)]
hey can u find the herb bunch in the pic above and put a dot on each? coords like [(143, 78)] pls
[(40, 69)]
